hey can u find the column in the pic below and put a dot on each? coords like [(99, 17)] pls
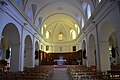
[(28, 60), (91, 56), (14, 62), (97, 56), (104, 56)]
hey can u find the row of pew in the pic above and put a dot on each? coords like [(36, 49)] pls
[(43, 72), (81, 72)]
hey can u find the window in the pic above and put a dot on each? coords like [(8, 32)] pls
[(60, 36), (73, 34), (83, 23), (47, 34), (42, 30), (99, 1), (88, 11), (76, 26), (41, 47), (78, 30)]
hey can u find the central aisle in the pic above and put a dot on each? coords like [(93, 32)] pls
[(60, 74)]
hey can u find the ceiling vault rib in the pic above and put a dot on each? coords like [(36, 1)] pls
[(59, 21), (25, 5), (65, 31), (53, 31)]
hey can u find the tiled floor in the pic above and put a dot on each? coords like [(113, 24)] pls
[(60, 74)]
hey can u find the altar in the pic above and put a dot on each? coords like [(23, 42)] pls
[(60, 61)]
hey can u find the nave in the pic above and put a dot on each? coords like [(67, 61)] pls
[(63, 72), (60, 74), (34, 33)]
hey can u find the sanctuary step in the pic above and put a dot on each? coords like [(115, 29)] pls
[(60, 66)]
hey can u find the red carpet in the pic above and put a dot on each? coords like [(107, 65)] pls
[(60, 66)]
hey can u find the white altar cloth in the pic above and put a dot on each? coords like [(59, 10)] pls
[(60, 61)]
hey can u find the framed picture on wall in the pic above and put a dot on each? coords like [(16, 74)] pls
[(47, 48), (74, 48)]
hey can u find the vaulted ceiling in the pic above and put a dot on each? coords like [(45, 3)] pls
[(56, 17)]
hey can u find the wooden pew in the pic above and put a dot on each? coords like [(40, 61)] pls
[(84, 73)]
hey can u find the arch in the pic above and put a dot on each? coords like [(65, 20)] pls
[(106, 30), (113, 49), (92, 50), (36, 53), (10, 44), (28, 52)]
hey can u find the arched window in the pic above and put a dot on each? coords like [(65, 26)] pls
[(78, 29), (99, 1), (47, 34), (60, 36), (73, 34), (83, 23), (42, 30), (88, 11)]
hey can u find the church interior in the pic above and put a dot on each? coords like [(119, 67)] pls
[(59, 40)]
